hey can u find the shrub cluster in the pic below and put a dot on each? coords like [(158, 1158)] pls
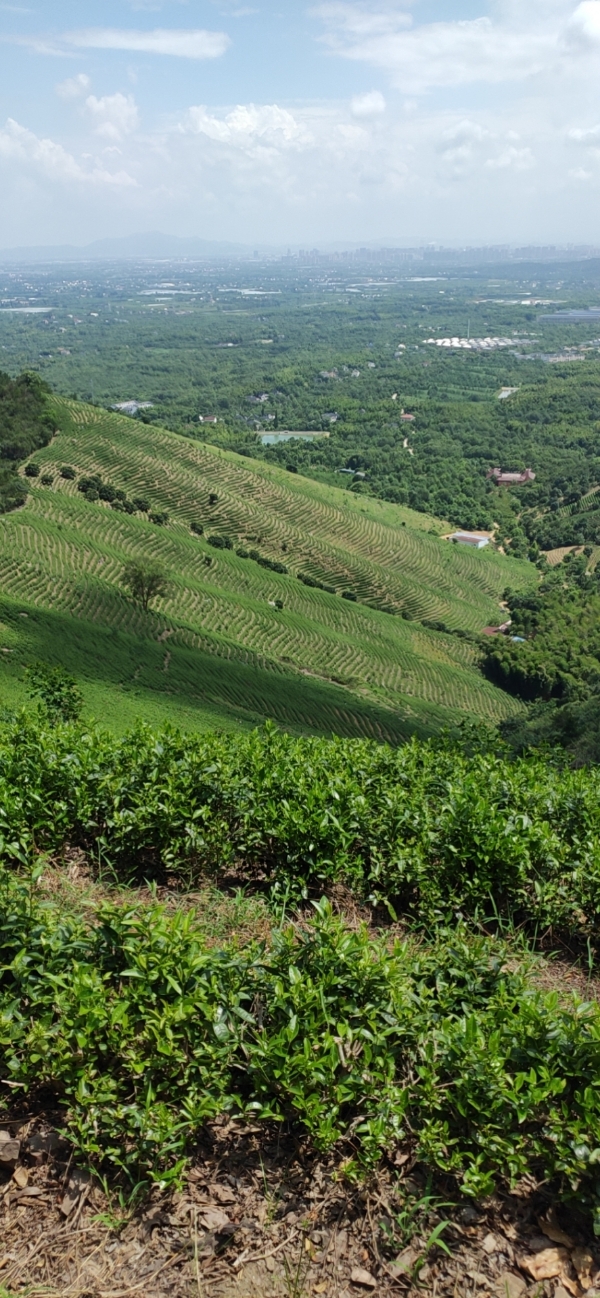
[(318, 585), (146, 1033), (432, 624), (272, 564), (220, 542), (25, 426), (431, 831), (94, 488)]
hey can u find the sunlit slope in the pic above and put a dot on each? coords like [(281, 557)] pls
[(66, 554)]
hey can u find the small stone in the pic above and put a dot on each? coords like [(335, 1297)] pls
[(470, 1216), (270, 1264), (509, 1285), (21, 1177), (39, 1144), (9, 1148), (363, 1278), (537, 1243), (546, 1264), (491, 1244)]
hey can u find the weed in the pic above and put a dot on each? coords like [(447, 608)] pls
[(295, 1275)]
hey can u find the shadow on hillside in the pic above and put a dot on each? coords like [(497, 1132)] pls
[(145, 669)]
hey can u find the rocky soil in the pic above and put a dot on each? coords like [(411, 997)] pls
[(261, 1217)]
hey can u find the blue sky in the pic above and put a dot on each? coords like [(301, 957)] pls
[(456, 121)]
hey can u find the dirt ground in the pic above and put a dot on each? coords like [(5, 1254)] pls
[(259, 1217)]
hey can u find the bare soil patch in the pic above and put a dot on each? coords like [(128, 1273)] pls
[(260, 1216)]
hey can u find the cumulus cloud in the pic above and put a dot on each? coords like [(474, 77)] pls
[(51, 160), (195, 44), (74, 87), (371, 104), (459, 165), (114, 115), (585, 23), (585, 135), (248, 124)]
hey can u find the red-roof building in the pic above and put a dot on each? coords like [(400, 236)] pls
[(511, 479)]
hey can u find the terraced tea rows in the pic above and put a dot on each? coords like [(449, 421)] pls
[(65, 553)]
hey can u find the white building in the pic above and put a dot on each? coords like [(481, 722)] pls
[(475, 539)]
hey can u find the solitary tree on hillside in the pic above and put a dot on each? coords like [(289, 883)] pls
[(146, 581)]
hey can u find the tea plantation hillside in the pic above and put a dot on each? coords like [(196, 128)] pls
[(239, 636)]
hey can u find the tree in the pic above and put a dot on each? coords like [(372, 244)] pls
[(146, 581), (58, 692)]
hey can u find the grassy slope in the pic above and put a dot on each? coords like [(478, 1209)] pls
[(225, 653)]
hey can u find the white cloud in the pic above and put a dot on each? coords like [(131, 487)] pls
[(114, 115), (248, 124), (520, 159), (195, 44), (357, 21), (371, 104), (52, 161), (74, 87), (590, 135), (585, 23), (519, 42), (464, 132), (460, 146), (468, 164)]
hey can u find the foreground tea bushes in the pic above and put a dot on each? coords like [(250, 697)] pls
[(142, 1034), (429, 830)]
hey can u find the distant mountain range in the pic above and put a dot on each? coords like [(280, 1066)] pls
[(153, 246)]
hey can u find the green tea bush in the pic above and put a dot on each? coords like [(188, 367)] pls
[(143, 1033), (429, 830)]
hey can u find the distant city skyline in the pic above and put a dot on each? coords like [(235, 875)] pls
[(455, 122)]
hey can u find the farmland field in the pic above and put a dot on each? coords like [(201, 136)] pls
[(218, 647)]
